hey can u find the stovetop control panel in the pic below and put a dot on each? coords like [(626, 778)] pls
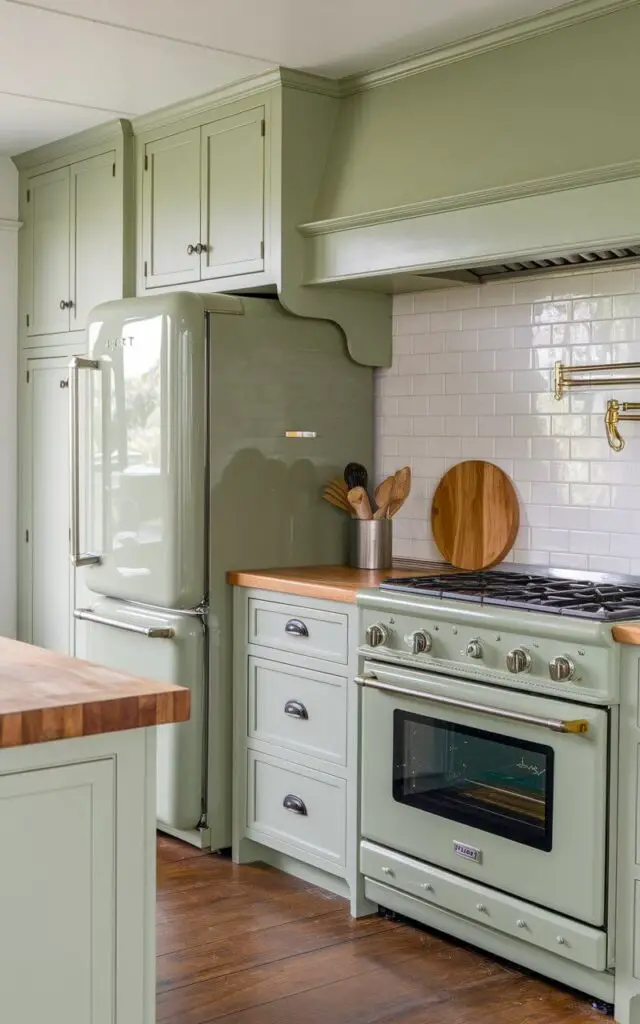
[(568, 659)]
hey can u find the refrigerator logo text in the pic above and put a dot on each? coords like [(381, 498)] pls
[(124, 342)]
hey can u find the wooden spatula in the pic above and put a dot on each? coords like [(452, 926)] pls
[(383, 494), (359, 501)]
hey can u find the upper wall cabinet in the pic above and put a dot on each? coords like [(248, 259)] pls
[(75, 243), (203, 201), (224, 181)]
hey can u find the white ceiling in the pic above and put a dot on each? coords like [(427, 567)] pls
[(69, 64)]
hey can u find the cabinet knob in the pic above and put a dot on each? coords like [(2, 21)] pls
[(200, 248), (295, 804), (296, 709), (66, 304), (64, 383), (192, 250)]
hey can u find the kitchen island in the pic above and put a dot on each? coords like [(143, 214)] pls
[(77, 838)]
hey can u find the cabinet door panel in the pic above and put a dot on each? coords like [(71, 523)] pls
[(48, 504), (57, 891), (47, 225), (233, 195), (171, 209), (96, 237)]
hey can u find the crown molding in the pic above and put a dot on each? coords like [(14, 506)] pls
[(481, 197), (87, 139), (10, 225), (242, 89), (483, 42)]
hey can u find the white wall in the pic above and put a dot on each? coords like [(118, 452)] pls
[(8, 390), (471, 379)]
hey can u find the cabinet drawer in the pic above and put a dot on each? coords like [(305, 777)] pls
[(298, 709), (560, 935), (296, 807), (316, 634)]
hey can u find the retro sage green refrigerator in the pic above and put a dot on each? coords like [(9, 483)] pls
[(202, 430)]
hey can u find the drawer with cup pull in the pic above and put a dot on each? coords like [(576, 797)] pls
[(298, 709), (309, 631), (297, 808)]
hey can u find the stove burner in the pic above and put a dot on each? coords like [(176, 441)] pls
[(583, 599)]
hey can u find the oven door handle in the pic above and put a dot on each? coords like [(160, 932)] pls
[(577, 726)]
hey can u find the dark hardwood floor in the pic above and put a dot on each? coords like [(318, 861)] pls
[(248, 945)]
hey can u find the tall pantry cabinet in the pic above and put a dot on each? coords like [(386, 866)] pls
[(76, 250)]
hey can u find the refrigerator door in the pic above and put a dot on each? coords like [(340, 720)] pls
[(169, 647), (143, 447)]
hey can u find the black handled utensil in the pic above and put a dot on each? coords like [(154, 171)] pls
[(355, 475)]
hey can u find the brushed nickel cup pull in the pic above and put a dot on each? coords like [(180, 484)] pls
[(296, 627), (296, 709), (294, 804)]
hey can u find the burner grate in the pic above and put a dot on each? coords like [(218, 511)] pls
[(580, 598)]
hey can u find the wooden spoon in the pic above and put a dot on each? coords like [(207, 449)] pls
[(383, 494), (359, 501), (344, 506), (401, 484)]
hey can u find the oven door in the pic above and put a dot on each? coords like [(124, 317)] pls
[(479, 780)]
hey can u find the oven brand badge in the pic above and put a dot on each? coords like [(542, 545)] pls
[(468, 852)]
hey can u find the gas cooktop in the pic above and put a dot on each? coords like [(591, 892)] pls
[(607, 599)]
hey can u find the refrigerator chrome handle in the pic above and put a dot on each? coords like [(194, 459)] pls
[(78, 557), (576, 726), (153, 632)]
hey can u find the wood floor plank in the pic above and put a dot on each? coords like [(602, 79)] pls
[(227, 956), (248, 945)]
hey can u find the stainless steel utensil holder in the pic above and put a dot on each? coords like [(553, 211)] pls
[(370, 543)]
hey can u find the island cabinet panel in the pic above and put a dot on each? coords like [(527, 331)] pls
[(57, 892)]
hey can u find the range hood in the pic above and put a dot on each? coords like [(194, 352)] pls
[(621, 255)]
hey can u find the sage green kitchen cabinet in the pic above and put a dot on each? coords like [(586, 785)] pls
[(72, 239), (77, 240), (46, 234), (232, 207), (171, 209), (295, 743), (203, 202), (46, 582)]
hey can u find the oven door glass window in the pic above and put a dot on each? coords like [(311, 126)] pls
[(493, 782)]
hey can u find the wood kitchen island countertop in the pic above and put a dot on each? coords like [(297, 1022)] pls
[(48, 696), (327, 582)]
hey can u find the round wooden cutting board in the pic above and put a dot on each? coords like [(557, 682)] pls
[(475, 515)]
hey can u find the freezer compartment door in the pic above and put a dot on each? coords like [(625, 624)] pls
[(143, 446), (169, 647)]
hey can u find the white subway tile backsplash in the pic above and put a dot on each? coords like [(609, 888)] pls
[(471, 378), (478, 319)]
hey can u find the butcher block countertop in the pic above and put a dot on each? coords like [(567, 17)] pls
[(627, 633), (328, 582), (48, 696), (340, 583)]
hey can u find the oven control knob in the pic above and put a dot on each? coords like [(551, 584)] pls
[(561, 669), (474, 649), (419, 642), (377, 635), (519, 660)]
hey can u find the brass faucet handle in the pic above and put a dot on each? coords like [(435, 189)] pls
[(611, 419)]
